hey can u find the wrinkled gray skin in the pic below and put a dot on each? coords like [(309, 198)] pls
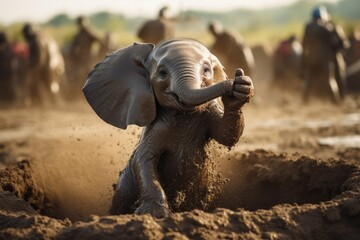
[(170, 90)]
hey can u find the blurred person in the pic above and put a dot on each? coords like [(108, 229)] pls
[(83, 41), (287, 60), (45, 66), (324, 67), (106, 46), (352, 59), (21, 53), (155, 31), (7, 73), (231, 50), (81, 59), (264, 70)]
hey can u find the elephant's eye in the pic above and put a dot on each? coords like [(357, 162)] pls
[(207, 71), (163, 74)]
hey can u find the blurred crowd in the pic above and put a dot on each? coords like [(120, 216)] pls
[(38, 72), (324, 64)]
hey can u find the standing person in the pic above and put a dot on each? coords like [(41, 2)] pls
[(323, 64), (45, 65), (287, 60), (7, 58), (352, 58), (107, 46), (81, 58), (157, 30), (231, 50), (21, 55)]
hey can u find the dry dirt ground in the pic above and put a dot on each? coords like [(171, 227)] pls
[(295, 174)]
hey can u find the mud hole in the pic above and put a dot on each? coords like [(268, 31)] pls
[(57, 167), (268, 196)]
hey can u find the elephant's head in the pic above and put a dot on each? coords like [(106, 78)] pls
[(178, 74)]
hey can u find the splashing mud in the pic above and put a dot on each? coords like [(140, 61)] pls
[(267, 196), (278, 182)]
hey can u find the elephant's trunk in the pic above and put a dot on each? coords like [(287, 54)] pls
[(194, 95)]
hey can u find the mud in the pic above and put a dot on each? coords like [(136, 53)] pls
[(57, 167), (261, 180), (19, 181), (275, 196)]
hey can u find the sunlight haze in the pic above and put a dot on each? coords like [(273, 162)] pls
[(42, 10)]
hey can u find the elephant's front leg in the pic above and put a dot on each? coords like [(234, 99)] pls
[(227, 128), (152, 196)]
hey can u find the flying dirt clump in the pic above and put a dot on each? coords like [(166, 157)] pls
[(320, 200)]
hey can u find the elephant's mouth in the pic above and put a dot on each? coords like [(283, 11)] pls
[(180, 103), (189, 104)]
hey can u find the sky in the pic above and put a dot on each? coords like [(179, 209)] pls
[(42, 10)]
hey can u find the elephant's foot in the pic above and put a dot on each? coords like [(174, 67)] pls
[(157, 208)]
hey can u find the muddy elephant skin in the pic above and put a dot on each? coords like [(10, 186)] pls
[(170, 89)]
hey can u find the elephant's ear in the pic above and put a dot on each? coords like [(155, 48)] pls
[(119, 90)]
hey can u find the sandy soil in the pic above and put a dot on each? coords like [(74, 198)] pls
[(295, 174)]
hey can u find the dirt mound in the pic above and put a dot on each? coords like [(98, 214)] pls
[(268, 196), (262, 179), (350, 154), (19, 181), (10, 203)]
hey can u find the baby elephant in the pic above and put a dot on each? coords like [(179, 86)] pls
[(170, 89)]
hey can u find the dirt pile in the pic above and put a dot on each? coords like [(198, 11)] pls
[(19, 181), (261, 179), (268, 196)]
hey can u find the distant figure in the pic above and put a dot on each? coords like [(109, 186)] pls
[(231, 50), (352, 58), (80, 58), (106, 47), (157, 30), (287, 61), (323, 64), (264, 70), (83, 41), (7, 74), (21, 54), (45, 65)]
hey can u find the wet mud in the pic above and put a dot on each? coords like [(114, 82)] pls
[(19, 181), (281, 181), (267, 196)]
